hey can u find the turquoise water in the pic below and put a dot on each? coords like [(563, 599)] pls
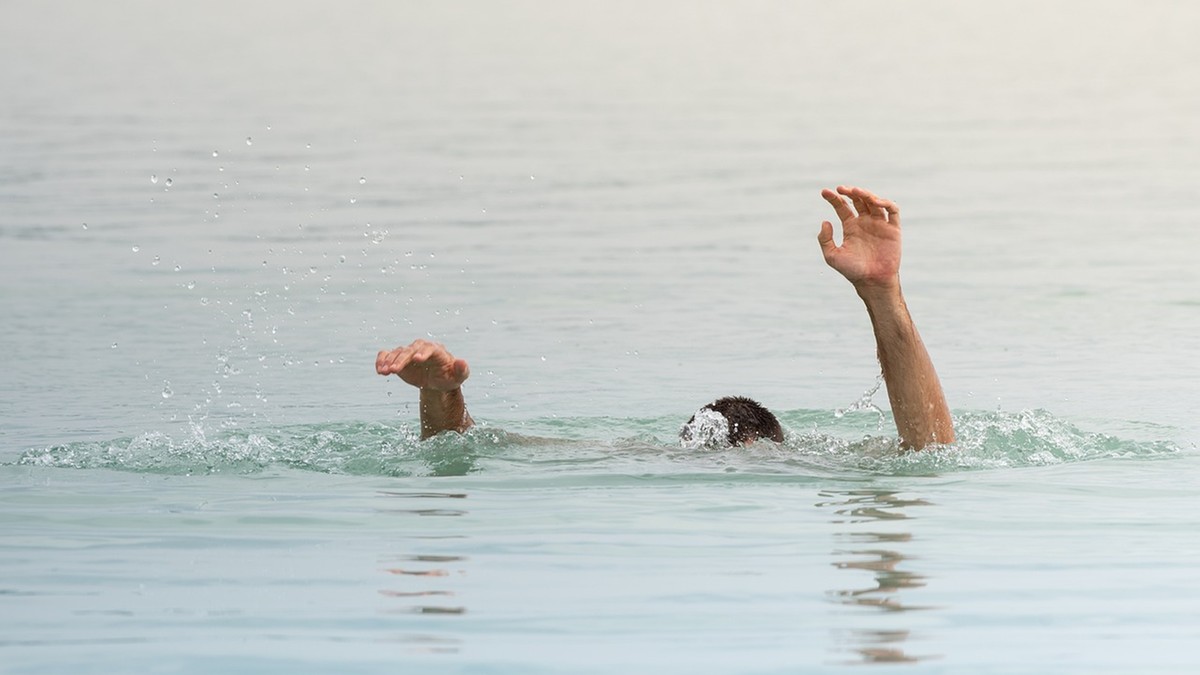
[(211, 218)]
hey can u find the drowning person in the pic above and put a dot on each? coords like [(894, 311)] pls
[(869, 258)]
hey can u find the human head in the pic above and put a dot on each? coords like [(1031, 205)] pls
[(733, 420)]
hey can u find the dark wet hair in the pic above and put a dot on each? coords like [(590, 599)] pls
[(748, 420)]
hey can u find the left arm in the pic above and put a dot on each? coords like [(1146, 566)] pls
[(430, 367)]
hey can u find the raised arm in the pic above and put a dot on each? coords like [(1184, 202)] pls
[(869, 257), (434, 370)]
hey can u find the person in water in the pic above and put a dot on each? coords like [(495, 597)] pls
[(868, 257)]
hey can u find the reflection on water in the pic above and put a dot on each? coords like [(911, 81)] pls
[(876, 552), (418, 580)]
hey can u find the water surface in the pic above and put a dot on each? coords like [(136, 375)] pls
[(212, 216)]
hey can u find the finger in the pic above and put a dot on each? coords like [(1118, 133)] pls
[(854, 194), (399, 363), (424, 352), (878, 205), (839, 205), (893, 210), (861, 204), (383, 364), (825, 239)]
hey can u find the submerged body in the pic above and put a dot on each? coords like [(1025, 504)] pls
[(868, 257)]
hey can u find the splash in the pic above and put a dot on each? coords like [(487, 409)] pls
[(707, 428), (830, 446)]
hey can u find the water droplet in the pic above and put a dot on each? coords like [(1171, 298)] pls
[(170, 182), (362, 181), (312, 270), (177, 268), (308, 145), (85, 226), (216, 196), (543, 358), (249, 141), (533, 178), (341, 258), (153, 178), (354, 200), (136, 248), (214, 153), (204, 301), (114, 346), (191, 285), (155, 261), (167, 392)]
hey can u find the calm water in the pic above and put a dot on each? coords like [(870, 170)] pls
[(211, 217)]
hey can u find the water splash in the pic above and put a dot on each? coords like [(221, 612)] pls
[(866, 402), (568, 447)]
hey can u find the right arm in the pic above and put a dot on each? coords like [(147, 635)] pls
[(869, 258), (439, 376)]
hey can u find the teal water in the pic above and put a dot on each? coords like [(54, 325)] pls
[(213, 216)]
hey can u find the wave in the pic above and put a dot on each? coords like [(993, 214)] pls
[(831, 445)]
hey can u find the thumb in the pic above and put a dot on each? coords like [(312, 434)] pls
[(461, 370), (825, 239)]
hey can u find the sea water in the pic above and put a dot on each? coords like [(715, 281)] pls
[(212, 217)]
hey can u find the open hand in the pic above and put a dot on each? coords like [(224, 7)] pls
[(425, 365), (870, 252)]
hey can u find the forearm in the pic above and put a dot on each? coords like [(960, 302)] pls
[(443, 411), (914, 390)]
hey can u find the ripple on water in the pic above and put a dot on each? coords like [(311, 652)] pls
[(831, 447)]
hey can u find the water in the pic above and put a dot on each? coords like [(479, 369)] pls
[(211, 218)]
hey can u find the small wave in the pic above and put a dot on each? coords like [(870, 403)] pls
[(833, 445), (985, 440)]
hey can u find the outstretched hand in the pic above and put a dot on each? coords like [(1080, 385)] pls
[(870, 252), (425, 365)]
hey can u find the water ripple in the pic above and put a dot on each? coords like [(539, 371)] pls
[(987, 440)]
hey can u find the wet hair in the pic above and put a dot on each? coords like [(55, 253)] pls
[(735, 420)]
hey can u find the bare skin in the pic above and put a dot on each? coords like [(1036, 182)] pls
[(869, 258), (429, 367)]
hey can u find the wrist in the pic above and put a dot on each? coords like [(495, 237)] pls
[(443, 410), (430, 394), (879, 292)]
